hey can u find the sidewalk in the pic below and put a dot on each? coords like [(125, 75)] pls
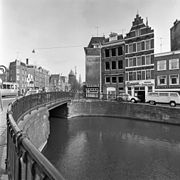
[(3, 135)]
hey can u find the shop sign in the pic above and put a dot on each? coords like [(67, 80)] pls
[(145, 83)]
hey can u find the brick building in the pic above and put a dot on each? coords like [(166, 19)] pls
[(175, 36), (37, 78), (113, 71), (167, 71), (139, 58), (92, 67), (18, 74)]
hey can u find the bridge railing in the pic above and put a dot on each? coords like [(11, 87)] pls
[(24, 161)]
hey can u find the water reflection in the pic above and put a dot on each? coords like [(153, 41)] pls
[(110, 148)]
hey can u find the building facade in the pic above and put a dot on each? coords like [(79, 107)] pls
[(92, 67), (139, 58), (58, 83), (113, 66), (18, 74), (175, 36), (167, 71)]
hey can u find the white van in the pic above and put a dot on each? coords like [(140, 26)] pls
[(171, 98)]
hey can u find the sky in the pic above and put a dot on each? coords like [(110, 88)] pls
[(58, 30)]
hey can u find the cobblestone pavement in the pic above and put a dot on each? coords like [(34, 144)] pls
[(5, 102)]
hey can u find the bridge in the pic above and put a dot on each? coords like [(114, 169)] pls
[(24, 160)]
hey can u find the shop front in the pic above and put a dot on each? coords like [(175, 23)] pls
[(139, 88)]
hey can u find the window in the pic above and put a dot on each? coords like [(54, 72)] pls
[(174, 94), (161, 65), (107, 65), (130, 48), (134, 61), (138, 46), (17, 71), (120, 51), (130, 62), (120, 79), (149, 88), (127, 63), (113, 51), (152, 59), (107, 79), (142, 45), (137, 32), (143, 75), (129, 90), (134, 47), (152, 43), (163, 94), (113, 64), (148, 59), (134, 75), (148, 44), (139, 61), (148, 74), (174, 64), (143, 60), (107, 53), (127, 79), (114, 79), (174, 79), (152, 74), (120, 64), (162, 80), (139, 75), (126, 48), (130, 76)]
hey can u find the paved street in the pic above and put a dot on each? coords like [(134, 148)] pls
[(5, 102)]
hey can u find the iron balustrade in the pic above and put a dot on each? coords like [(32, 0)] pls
[(24, 161)]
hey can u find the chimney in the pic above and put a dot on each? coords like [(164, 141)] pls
[(27, 61)]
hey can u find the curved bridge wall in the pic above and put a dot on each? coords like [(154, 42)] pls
[(36, 125), (126, 110)]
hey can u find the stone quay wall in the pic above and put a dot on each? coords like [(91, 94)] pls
[(137, 111), (36, 125)]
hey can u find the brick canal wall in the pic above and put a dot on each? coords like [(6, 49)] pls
[(36, 126), (126, 110)]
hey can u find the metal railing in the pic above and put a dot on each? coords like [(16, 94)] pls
[(24, 161)]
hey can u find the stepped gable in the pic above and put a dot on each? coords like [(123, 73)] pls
[(137, 23)]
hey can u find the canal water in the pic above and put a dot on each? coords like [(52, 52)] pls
[(101, 148)]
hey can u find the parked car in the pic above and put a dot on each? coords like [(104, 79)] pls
[(127, 97), (171, 98), (31, 91)]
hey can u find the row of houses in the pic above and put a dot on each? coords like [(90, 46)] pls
[(29, 76), (128, 64)]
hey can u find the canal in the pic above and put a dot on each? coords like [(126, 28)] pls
[(101, 148)]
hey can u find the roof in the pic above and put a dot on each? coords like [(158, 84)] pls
[(96, 40)]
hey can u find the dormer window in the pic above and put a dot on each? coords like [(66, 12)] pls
[(113, 37), (95, 45)]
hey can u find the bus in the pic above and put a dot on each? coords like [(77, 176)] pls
[(8, 89), (171, 98)]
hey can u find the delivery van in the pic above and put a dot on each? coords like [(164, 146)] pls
[(171, 98)]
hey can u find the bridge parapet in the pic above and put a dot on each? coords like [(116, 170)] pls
[(24, 160)]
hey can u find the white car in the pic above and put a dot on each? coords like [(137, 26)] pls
[(32, 91), (127, 97)]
